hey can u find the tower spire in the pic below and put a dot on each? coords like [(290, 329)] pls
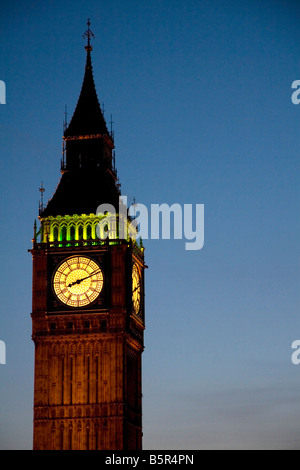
[(87, 154), (88, 118), (88, 34)]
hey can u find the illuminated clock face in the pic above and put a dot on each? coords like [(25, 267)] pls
[(78, 281), (136, 289)]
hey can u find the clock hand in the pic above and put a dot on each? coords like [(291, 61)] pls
[(136, 288), (83, 279)]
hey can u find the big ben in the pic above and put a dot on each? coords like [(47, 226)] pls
[(88, 299)]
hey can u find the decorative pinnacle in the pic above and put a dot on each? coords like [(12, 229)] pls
[(88, 34), (42, 190)]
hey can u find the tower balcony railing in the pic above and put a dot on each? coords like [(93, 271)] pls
[(78, 243)]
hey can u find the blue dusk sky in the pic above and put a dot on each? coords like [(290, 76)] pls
[(200, 96)]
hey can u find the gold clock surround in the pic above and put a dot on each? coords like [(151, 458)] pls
[(136, 289), (78, 281)]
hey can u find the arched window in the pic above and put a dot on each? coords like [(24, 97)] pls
[(63, 233), (89, 232), (80, 232), (72, 233), (61, 437), (55, 234), (70, 437)]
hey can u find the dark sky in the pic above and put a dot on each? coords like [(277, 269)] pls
[(200, 96)]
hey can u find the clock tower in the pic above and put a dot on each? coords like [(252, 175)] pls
[(88, 297)]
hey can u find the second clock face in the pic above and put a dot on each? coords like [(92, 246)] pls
[(78, 281), (136, 289)]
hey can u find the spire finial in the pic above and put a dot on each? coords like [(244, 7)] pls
[(88, 34)]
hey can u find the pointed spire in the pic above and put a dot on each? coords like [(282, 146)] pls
[(88, 34), (41, 203), (88, 118), (88, 160), (34, 230)]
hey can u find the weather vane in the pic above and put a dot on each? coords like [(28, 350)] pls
[(88, 34)]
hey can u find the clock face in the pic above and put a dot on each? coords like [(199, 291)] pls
[(78, 281), (136, 289)]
